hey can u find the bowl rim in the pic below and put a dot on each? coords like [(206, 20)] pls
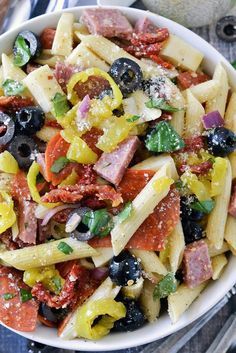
[(127, 341)]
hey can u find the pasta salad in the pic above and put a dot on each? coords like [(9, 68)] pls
[(116, 167)]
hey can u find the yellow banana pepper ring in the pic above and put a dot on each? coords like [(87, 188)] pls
[(7, 214), (31, 180), (83, 77), (109, 309), (8, 163)]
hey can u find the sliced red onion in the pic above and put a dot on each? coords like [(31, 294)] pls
[(99, 273), (55, 210), (84, 107), (212, 119), (41, 161)]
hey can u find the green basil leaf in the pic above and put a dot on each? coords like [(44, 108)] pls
[(165, 287), (60, 104), (125, 213), (163, 138), (99, 222), (203, 206), (161, 103), (57, 284), (21, 52), (25, 295), (133, 118), (234, 64), (12, 88), (8, 296), (65, 248), (59, 164)]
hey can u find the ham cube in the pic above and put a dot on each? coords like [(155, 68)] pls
[(107, 22), (196, 264), (232, 204), (144, 25), (112, 166), (27, 222)]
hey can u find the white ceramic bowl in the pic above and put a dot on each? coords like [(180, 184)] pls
[(215, 291)]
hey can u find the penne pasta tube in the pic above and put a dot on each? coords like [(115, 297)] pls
[(49, 59), (176, 247), (10, 71), (213, 251), (150, 307), (150, 261), (103, 256), (205, 91), (134, 290), (80, 28), (42, 88), (5, 181), (230, 232), (63, 40), (47, 132), (218, 263), (194, 113), (219, 101), (177, 122), (46, 254), (217, 219), (180, 301), (106, 290), (230, 123), (180, 53), (143, 206), (156, 162)]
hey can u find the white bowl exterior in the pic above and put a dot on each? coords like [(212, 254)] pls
[(216, 290)]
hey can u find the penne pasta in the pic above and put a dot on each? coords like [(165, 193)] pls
[(218, 263), (83, 57), (150, 261), (177, 122), (47, 132), (230, 123), (133, 291), (194, 113), (5, 181), (156, 162), (217, 219), (43, 86), (230, 232), (80, 28), (213, 251), (219, 101), (179, 301), (182, 54), (103, 256), (46, 254), (106, 290), (48, 58), (63, 40), (143, 206), (10, 71), (176, 247), (150, 307), (205, 91)]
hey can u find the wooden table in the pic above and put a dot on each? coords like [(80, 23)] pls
[(12, 343)]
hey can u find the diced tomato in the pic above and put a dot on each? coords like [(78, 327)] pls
[(153, 232), (13, 313), (188, 78), (47, 37), (19, 187), (93, 87), (91, 138)]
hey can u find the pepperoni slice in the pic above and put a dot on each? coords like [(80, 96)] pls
[(13, 313), (153, 232)]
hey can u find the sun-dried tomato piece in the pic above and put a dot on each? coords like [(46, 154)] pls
[(14, 103), (201, 168), (189, 78), (93, 87), (159, 35), (192, 144), (91, 138)]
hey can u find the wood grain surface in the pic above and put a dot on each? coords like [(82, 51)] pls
[(12, 343)]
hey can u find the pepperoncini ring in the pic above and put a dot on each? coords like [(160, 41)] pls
[(7, 214), (8, 163), (31, 180), (108, 308), (83, 77)]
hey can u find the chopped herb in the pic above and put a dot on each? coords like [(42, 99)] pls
[(99, 222), (125, 213), (163, 138), (133, 118), (8, 296), (12, 88), (165, 287), (21, 52), (203, 206), (234, 64), (60, 104), (65, 248), (25, 295), (57, 284), (59, 164), (160, 103)]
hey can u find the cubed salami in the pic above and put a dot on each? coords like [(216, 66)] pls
[(232, 205), (144, 25), (107, 22), (196, 264), (28, 222), (112, 166)]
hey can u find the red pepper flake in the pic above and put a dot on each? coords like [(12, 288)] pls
[(50, 77)]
